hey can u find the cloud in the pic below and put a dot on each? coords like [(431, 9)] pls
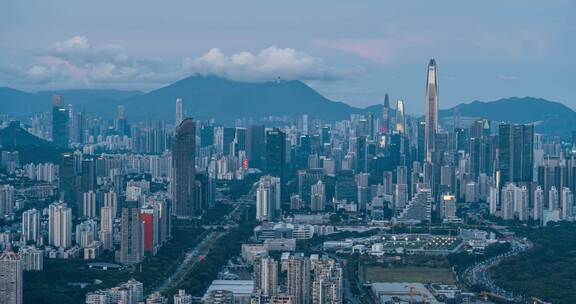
[(76, 62), (268, 64)]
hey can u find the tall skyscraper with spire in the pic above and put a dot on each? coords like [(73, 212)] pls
[(400, 117), (431, 106), (178, 111), (386, 115)]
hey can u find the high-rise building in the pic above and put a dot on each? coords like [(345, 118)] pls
[(149, 218), (89, 204), (276, 153), (10, 278), (400, 117), (255, 149), (538, 208), (59, 225), (88, 176), (6, 200), (32, 258), (30, 225), (515, 153), (299, 276), (266, 276), (567, 201), (267, 198), (178, 118), (111, 200), (60, 123), (431, 106), (386, 115), (107, 227), (327, 286), (67, 182), (131, 242), (318, 196), (184, 169)]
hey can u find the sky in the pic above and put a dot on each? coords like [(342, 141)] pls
[(350, 51)]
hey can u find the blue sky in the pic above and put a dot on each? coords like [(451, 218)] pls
[(352, 51)]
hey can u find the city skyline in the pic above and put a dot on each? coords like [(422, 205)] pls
[(356, 62)]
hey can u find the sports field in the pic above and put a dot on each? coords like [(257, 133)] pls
[(412, 274)]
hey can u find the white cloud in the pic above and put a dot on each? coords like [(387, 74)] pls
[(76, 62), (268, 64)]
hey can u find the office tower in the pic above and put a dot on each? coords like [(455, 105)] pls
[(121, 122), (400, 196), (184, 169), (107, 227), (447, 206), (267, 198), (307, 178), (538, 206), (60, 127), (240, 140), (89, 204), (567, 200), (131, 242), (149, 217), (228, 135), (361, 156), (266, 276), (6, 200), (317, 196), (206, 136), (515, 152), (421, 141), (30, 225), (298, 285), (182, 297), (59, 225), (255, 150), (370, 124), (431, 107), (11, 278), (345, 187), (178, 118), (386, 115), (88, 176), (276, 153), (400, 118), (67, 182)]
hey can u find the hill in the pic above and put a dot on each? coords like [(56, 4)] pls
[(207, 97), (30, 148), (549, 117)]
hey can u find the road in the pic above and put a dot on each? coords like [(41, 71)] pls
[(478, 274)]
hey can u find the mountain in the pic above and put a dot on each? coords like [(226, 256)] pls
[(549, 117), (31, 149), (15, 136), (20, 103), (208, 97)]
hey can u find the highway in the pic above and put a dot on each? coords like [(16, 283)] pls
[(478, 274)]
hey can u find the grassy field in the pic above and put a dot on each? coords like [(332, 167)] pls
[(412, 274)]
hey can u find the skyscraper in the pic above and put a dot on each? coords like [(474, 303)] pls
[(178, 111), (431, 106), (30, 225), (256, 148), (266, 276), (184, 168), (317, 196), (386, 115), (60, 123), (299, 275), (59, 225), (267, 198), (400, 118), (131, 242), (275, 153), (67, 182), (515, 152), (10, 278)]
